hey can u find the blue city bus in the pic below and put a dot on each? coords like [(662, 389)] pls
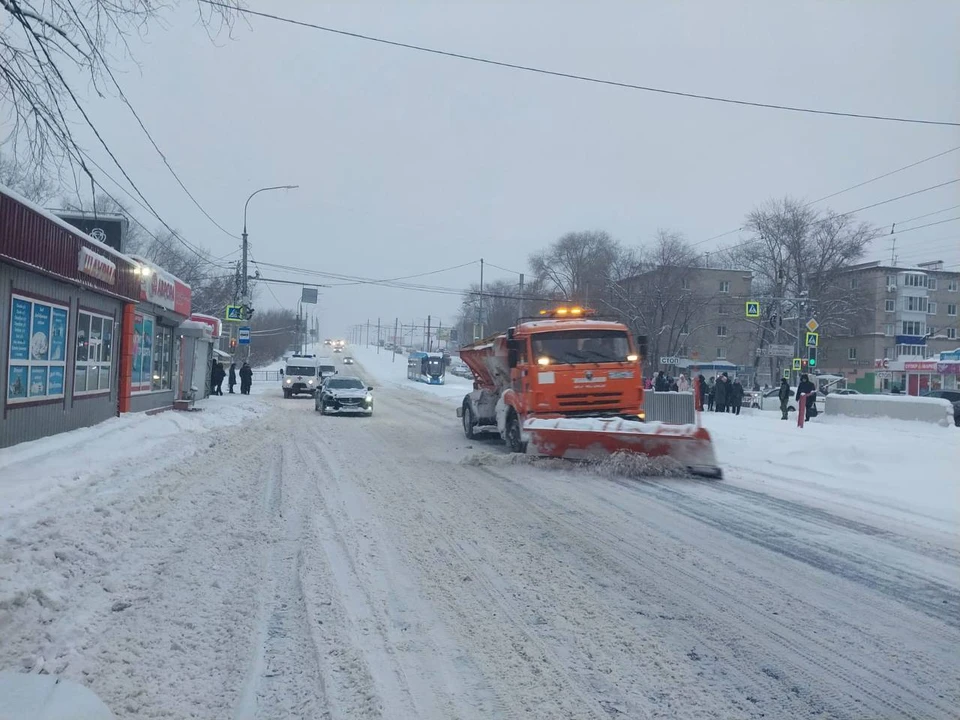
[(426, 367)]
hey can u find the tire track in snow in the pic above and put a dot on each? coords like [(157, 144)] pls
[(869, 690)]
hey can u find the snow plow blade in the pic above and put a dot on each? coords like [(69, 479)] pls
[(593, 438)]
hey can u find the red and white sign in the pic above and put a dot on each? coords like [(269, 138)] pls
[(97, 266), (158, 288), (881, 364), (926, 365), (181, 298)]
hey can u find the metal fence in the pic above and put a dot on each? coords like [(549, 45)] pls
[(266, 376), (675, 408)]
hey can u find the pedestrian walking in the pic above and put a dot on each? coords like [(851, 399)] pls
[(721, 393), (736, 396), (784, 395), (232, 378), (682, 384), (246, 379), (808, 388)]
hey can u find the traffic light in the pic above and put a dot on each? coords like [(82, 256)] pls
[(812, 357), (233, 343), (803, 364)]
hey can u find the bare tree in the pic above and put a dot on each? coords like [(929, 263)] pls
[(48, 48), (273, 332), (661, 300), (800, 253), (26, 179), (577, 266)]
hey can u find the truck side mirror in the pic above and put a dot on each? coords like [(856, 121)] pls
[(512, 353)]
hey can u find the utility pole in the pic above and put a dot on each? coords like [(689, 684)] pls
[(368, 332), (479, 332), (396, 323), (378, 336), (520, 308), (429, 339)]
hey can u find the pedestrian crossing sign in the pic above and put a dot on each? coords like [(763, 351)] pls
[(234, 313), (797, 363), (753, 309), (813, 339), (786, 373)]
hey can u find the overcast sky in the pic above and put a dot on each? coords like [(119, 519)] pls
[(409, 162)]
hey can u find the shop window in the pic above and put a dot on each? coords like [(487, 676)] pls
[(162, 359), (93, 370), (890, 306), (38, 350), (143, 326)]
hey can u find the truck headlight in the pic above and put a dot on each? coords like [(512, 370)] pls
[(288, 381), (310, 381)]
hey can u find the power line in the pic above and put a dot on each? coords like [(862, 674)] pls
[(884, 175), (901, 197), (919, 217), (572, 76)]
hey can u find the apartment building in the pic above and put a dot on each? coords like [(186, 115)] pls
[(912, 318), (703, 323)]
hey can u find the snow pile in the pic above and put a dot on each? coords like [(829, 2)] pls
[(608, 425), (129, 445), (621, 464)]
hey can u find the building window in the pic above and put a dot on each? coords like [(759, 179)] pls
[(721, 353), (931, 330), (886, 352), (685, 284), (931, 308), (913, 327), (162, 359), (914, 280), (915, 304), (725, 286), (143, 328), (951, 286), (888, 330), (951, 333), (721, 330), (684, 330), (910, 350), (854, 282), (851, 353), (38, 350), (890, 306), (891, 280), (931, 283), (94, 357), (723, 310), (952, 309)]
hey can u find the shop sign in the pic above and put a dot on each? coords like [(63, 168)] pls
[(159, 288), (950, 368), (182, 298), (97, 266), (950, 356), (881, 364), (926, 365)]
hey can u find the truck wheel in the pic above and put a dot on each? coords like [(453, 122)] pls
[(513, 440), (468, 429)]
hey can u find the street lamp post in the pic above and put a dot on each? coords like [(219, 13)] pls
[(244, 296)]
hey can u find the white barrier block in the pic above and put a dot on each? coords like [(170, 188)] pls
[(900, 407)]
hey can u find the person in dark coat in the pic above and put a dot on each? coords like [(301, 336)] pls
[(808, 388), (711, 386), (721, 393), (216, 378), (660, 384), (736, 396), (246, 379), (232, 378), (674, 386), (701, 386), (784, 395)]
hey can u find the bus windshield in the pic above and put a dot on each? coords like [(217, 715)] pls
[(435, 366), (566, 347), (301, 370)]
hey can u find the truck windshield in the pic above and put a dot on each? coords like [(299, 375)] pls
[(566, 347), (301, 370), (328, 369)]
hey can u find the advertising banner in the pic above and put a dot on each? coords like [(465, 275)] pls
[(38, 381), (17, 382), (58, 335), (40, 337), (20, 331), (55, 381)]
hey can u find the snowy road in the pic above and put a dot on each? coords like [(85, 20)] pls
[(306, 566)]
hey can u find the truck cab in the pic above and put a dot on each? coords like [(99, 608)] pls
[(301, 375)]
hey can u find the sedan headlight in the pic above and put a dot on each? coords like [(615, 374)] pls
[(368, 399)]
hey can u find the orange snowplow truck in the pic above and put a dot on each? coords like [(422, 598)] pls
[(567, 385)]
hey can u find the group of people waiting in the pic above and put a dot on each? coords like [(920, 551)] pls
[(718, 394), (218, 374)]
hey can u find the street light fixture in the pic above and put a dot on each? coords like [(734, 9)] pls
[(245, 300)]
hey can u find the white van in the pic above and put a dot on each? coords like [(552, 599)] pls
[(301, 374)]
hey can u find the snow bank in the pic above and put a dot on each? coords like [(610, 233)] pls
[(924, 409), (864, 468), (388, 371), (31, 472), (608, 425)]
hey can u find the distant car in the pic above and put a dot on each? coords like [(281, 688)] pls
[(337, 349), (344, 394), (328, 341), (398, 350), (461, 370), (953, 396), (347, 360), (846, 391)]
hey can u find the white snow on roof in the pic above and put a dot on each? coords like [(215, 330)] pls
[(63, 223)]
